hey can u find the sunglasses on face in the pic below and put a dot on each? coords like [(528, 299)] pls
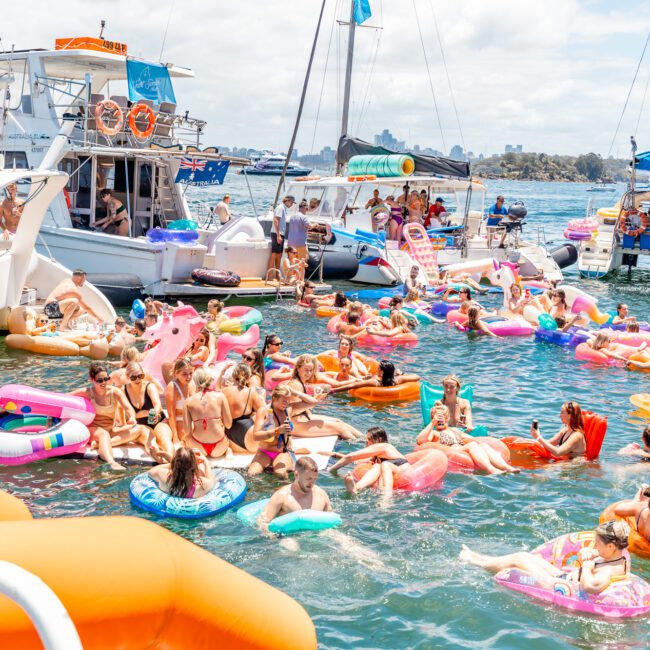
[(246, 357), (136, 377), (101, 380)]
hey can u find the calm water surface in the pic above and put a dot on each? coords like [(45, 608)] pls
[(390, 578)]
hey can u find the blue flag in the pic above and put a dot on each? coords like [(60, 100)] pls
[(194, 171), (149, 81), (361, 11)]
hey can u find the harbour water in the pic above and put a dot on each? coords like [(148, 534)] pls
[(390, 577)]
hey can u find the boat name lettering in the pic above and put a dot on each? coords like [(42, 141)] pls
[(29, 136)]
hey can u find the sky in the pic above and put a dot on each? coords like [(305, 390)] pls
[(552, 75)]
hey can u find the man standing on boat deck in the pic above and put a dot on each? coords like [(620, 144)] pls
[(65, 300), (298, 230), (222, 210), (277, 231), (496, 214), (10, 211)]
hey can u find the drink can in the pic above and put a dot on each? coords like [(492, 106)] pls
[(151, 418)]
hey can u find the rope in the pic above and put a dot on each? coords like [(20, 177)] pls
[(629, 92), (645, 91), (364, 106), (426, 62), (169, 18), (444, 63)]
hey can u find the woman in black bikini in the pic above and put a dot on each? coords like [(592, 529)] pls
[(570, 440), (247, 409), (116, 214)]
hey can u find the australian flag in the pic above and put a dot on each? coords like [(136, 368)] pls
[(195, 171)]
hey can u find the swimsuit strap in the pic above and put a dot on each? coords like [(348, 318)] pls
[(250, 390), (638, 517)]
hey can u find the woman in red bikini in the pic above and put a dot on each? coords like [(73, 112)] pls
[(207, 415)]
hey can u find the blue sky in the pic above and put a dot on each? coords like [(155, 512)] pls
[(551, 75)]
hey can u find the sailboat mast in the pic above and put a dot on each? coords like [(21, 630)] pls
[(348, 82)]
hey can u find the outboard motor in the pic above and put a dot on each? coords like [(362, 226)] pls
[(517, 210), (565, 255)]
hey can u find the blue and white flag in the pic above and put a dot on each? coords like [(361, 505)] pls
[(361, 11), (149, 81), (194, 171)]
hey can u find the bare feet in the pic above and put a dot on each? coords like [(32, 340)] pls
[(350, 484), (116, 467), (468, 556)]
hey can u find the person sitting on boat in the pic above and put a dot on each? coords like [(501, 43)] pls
[(374, 201), (436, 215), (65, 301), (208, 416), (387, 375), (314, 204), (439, 435), (496, 214), (302, 494), (10, 211), (298, 230), (414, 208), (116, 217), (293, 267), (623, 315), (599, 567), (639, 508), (188, 475), (570, 440), (222, 210), (385, 459), (278, 230)]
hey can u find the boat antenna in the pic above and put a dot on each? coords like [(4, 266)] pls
[(102, 25), (633, 176), (300, 106), (169, 17), (348, 84)]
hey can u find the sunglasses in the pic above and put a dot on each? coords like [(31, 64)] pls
[(246, 357), (101, 380), (276, 343), (136, 377)]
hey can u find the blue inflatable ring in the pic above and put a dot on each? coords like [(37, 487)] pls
[(229, 490), (294, 522)]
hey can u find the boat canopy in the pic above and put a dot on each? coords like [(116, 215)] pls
[(424, 165), (642, 161)]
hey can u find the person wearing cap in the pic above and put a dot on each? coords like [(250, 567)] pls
[(436, 214), (298, 230), (600, 566), (277, 231)]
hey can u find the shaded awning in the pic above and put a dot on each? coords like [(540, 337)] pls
[(424, 165), (642, 161)]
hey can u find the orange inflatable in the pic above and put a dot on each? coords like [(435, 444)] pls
[(402, 393), (128, 583), (638, 544), (330, 362), (639, 356), (328, 311)]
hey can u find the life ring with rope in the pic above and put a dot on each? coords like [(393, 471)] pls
[(626, 222), (113, 110), (142, 134)]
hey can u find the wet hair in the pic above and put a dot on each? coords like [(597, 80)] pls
[(387, 369), (215, 304), (619, 307), (184, 472), (601, 341), (394, 301), (241, 375), (96, 368), (352, 341), (377, 435), (353, 318), (268, 340), (560, 321), (645, 436), (203, 379), (305, 463), (632, 327), (397, 319), (303, 360), (614, 532), (257, 367), (473, 314), (182, 364), (576, 421), (140, 325), (561, 295), (340, 299)]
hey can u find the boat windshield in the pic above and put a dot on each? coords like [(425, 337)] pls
[(326, 203)]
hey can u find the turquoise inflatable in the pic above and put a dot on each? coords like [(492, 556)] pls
[(228, 491), (420, 316), (294, 522), (183, 224), (430, 393), (387, 165)]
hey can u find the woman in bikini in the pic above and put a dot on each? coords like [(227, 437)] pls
[(207, 417), (274, 438), (247, 409), (345, 350), (116, 214), (114, 423), (399, 324), (570, 440), (599, 567), (177, 392), (639, 508), (396, 222), (602, 342), (306, 424), (460, 410), (473, 323), (384, 457), (188, 475), (215, 315), (143, 397)]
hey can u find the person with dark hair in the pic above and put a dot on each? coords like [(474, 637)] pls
[(384, 457), (387, 375), (65, 301), (599, 566), (642, 450), (302, 494), (570, 439), (139, 326), (293, 267), (188, 475), (114, 423), (117, 218), (623, 315)]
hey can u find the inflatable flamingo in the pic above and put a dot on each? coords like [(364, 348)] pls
[(230, 342)]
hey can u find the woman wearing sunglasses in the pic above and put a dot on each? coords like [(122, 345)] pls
[(570, 440), (114, 422), (144, 398)]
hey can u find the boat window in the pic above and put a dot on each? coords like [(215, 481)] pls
[(120, 182), (71, 167), (85, 183), (14, 85), (144, 190), (15, 160)]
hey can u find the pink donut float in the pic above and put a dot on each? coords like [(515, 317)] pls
[(370, 340), (460, 460), (585, 352)]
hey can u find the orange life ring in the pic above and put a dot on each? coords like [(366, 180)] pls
[(151, 121), (114, 107), (625, 223), (367, 177)]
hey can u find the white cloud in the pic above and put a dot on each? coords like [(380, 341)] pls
[(552, 75)]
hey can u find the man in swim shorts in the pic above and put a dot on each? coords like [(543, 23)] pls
[(65, 301), (302, 494)]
